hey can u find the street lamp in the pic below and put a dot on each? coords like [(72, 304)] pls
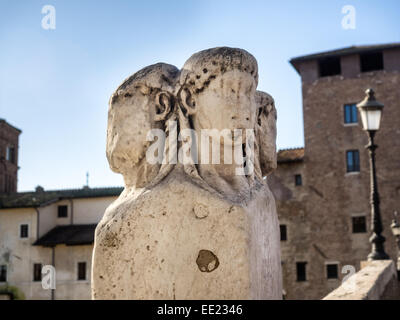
[(371, 111), (396, 232)]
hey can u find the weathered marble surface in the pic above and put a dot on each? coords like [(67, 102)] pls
[(377, 280), (187, 230)]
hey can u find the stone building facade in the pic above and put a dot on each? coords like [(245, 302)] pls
[(323, 189), (8, 157), (50, 228), (43, 228)]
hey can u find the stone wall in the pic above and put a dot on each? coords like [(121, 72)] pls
[(292, 214), (377, 280), (19, 254)]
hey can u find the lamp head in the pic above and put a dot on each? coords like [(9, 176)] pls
[(395, 226), (370, 111)]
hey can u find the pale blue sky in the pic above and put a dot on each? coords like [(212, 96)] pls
[(55, 84)]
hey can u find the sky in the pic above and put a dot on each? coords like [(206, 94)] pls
[(55, 84)]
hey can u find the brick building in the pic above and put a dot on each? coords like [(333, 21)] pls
[(323, 189), (8, 157)]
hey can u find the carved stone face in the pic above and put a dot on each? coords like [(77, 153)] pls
[(266, 132), (142, 102), (131, 115), (227, 103)]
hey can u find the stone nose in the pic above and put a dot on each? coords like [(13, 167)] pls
[(242, 113)]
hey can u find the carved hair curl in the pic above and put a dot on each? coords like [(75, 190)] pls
[(202, 67)]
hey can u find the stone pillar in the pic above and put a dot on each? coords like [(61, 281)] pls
[(184, 227)]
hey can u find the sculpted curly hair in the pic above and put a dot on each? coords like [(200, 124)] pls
[(202, 67)]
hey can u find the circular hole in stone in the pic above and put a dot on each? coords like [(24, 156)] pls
[(207, 261)]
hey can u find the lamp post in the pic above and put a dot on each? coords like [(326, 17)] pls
[(371, 111), (395, 226)]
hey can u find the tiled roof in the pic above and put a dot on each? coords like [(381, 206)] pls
[(70, 235), (41, 198), (344, 51), (290, 155)]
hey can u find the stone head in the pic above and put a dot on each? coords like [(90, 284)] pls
[(218, 89), (265, 132), (142, 102)]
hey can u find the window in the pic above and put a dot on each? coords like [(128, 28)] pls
[(62, 211), (350, 113), (301, 271), (359, 225), (3, 273), (332, 271), (297, 180), (353, 161), (371, 61), (10, 154), (81, 270), (283, 230), (329, 67), (37, 272), (23, 231)]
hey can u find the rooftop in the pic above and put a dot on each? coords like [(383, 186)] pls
[(70, 235), (343, 51), (5, 122), (41, 198), (290, 155)]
